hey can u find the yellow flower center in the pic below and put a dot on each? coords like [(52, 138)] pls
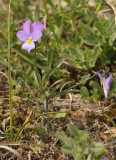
[(30, 41)]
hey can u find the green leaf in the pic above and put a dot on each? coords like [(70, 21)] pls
[(35, 79), (42, 126), (80, 146), (84, 92), (94, 91), (59, 115), (90, 40), (94, 97), (68, 56), (111, 23), (3, 63), (77, 53), (97, 147), (37, 12), (96, 87), (74, 130), (51, 5), (59, 22), (84, 78), (50, 57), (86, 26), (67, 149), (63, 137), (101, 28), (96, 54)]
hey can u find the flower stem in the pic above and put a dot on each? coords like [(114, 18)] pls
[(35, 58), (9, 76), (35, 68)]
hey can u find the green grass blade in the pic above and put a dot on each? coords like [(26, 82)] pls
[(110, 119), (50, 22), (9, 75), (49, 73), (5, 132)]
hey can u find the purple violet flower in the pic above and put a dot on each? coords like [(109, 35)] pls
[(105, 82), (105, 158), (30, 35)]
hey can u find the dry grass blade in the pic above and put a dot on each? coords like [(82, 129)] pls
[(59, 81), (2, 73), (12, 150), (65, 85), (10, 144)]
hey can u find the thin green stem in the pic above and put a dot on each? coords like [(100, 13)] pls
[(35, 58), (35, 64), (99, 7), (59, 5), (51, 24), (9, 76), (46, 104)]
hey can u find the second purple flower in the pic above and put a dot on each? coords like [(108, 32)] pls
[(30, 35), (106, 82)]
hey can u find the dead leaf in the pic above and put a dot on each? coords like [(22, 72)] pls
[(12, 150), (113, 131)]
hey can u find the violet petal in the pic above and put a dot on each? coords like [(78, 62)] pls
[(107, 85), (22, 35), (36, 35), (28, 46), (26, 27), (105, 92), (108, 82), (37, 26), (102, 78), (98, 73)]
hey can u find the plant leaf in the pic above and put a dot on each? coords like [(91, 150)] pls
[(84, 92), (90, 40), (59, 115)]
